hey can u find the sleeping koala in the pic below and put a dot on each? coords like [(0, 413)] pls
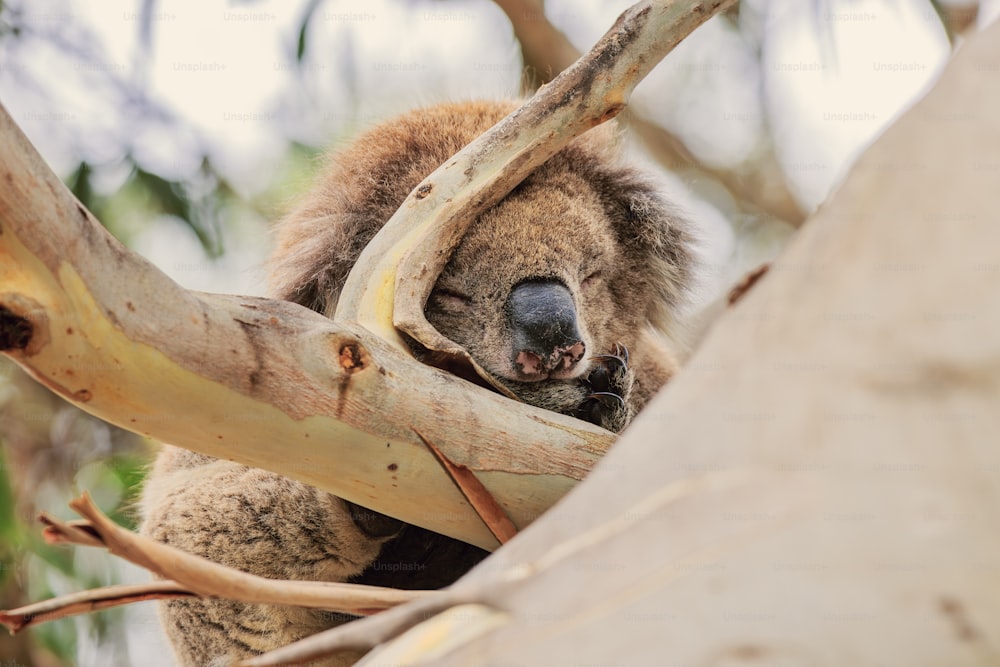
[(563, 291)]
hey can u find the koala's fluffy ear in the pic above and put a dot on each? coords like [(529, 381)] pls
[(655, 236), (361, 188), (315, 251)]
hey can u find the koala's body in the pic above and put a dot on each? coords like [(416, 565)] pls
[(549, 288)]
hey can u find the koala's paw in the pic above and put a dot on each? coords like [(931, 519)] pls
[(609, 385)]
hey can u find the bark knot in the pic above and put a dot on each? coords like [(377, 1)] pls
[(15, 331), (353, 357)]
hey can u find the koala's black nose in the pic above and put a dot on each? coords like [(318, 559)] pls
[(543, 323)]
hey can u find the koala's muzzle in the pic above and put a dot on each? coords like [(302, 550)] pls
[(543, 322)]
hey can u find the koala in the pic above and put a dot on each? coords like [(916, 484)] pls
[(563, 291)]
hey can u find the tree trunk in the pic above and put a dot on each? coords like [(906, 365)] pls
[(820, 484)]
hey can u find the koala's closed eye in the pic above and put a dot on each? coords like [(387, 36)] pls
[(592, 279), (450, 299)]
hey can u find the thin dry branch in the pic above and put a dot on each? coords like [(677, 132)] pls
[(90, 601), (207, 578)]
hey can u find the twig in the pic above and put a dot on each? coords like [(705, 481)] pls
[(89, 601), (482, 501), (206, 578), (77, 532)]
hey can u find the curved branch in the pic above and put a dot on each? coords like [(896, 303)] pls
[(263, 382), (276, 386), (205, 577), (413, 247)]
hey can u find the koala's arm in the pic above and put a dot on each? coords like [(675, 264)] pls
[(258, 522)]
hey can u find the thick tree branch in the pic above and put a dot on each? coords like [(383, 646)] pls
[(253, 379), (828, 490), (256, 380)]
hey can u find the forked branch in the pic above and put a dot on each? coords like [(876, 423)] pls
[(267, 383), (257, 380)]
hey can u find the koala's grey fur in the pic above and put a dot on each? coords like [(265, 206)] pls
[(582, 222)]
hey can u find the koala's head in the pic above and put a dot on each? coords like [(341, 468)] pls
[(580, 256), (570, 263)]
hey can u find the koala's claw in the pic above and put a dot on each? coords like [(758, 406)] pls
[(604, 376), (621, 352), (609, 385)]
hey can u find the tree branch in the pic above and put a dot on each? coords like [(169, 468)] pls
[(89, 601), (255, 379), (247, 378), (199, 576), (546, 51)]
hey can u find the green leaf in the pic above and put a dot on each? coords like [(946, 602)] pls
[(311, 8)]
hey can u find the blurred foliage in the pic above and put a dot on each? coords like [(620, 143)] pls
[(158, 195), (195, 198), (307, 15), (49, 453)]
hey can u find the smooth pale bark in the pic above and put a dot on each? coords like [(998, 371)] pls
[(821, 484)]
